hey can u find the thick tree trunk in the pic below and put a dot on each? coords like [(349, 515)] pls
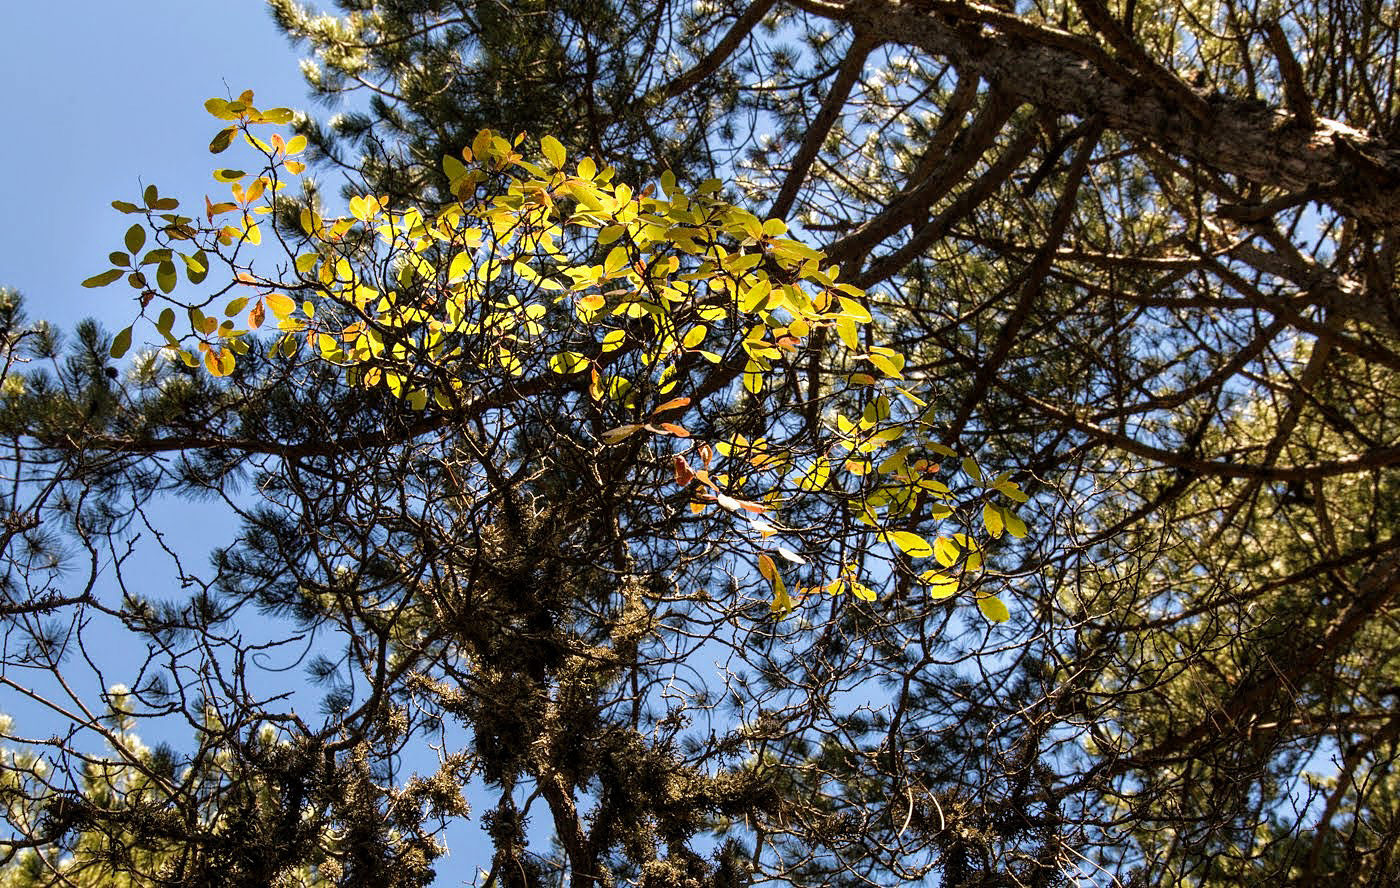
[(1053, 69)]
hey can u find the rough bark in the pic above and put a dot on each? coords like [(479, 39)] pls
[(1356, 173)]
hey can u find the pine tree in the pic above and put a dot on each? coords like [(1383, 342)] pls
[(1137, 260)]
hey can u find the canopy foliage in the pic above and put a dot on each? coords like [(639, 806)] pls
[(645, 498)]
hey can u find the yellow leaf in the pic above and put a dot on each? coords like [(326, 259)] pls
[(854, 310), (886, 366), (993, 609), (694, 336), (940, 585), (767, 568), (553, 151), (911, 544), (568, 363), (616, 261), (1014, 525), (991, 517), (946, 551), (816, 477), (282, 305), (782, 601), (753, 378)]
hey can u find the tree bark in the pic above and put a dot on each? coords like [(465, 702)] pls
[(1354, 172)]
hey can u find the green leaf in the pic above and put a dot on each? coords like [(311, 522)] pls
[(135, 239), (119, 259), (283, 116), (166, 277), (993, 609), (782, 600), (103, 279), (165, 321), (222, 140), (121, 342), (229, 175), (150, 195), (125, 207), (970, 466), (196, 266)]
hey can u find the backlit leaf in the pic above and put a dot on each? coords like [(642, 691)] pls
[(553, 151), (991, 517), (946, 551), (568, 362), (621, 433), (1014, 525), (909, 543), (940, 585), (993, 608)]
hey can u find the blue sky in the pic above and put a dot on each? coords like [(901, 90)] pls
[(102, 102)]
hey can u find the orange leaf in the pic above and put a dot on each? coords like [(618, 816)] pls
[(256, 316), (683, 473), (671, 405), (676, 430), (706, 454), (591, 302)]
